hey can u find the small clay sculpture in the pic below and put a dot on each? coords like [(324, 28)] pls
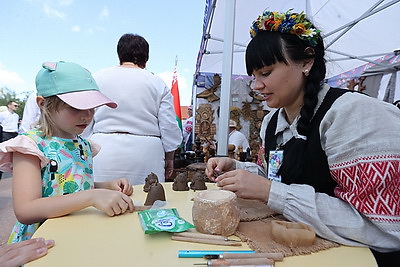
[(150, 179), (156, 192), (181, 182), (199, 182)]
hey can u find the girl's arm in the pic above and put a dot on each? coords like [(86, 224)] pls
[(30, 207)]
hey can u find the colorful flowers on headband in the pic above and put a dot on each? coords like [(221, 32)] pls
[(292, 23)]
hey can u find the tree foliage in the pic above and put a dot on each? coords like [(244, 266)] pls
[(7, 95)]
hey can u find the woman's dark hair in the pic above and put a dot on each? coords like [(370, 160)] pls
[(268, 48), (133, 48)]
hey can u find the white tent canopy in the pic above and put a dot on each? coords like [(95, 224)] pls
[(355, 32), (363, 40)]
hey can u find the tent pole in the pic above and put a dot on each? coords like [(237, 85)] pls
[(194, 107), (222, 135)]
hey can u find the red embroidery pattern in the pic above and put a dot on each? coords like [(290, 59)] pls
[(371, 185)]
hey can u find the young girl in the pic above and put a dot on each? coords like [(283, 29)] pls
[(52, 165), (332, 156)]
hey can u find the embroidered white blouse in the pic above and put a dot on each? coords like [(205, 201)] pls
[(360, 136)]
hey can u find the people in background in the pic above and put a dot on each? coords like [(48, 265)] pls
[(31, 114), (9, 120), (187, 128), (52, 164), (237, 138), (17, 254), (332, 156), (9, 123), (141, 135)]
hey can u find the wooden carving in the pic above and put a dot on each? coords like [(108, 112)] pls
[(205, 127), (255, 126), (209, 93)]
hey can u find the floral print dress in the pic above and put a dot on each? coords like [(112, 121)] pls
[(66, 168)]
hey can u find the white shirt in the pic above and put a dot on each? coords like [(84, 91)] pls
[(9, 121), (31, 114), (135, 136), (238, 139)]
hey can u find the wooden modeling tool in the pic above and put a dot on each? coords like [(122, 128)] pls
[(236, 262)]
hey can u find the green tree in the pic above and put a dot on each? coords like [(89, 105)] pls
[(7, 95)]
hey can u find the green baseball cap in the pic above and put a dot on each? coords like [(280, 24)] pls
[(72, 83)]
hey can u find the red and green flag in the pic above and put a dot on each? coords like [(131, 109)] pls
[(175, 94)]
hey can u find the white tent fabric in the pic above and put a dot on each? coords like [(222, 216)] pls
[(356, 30), (369, 38), (383, 82)]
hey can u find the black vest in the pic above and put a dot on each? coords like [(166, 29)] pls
[(316, 169)]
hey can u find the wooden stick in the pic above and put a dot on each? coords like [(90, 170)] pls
[(206, 241), (206, 236), (235, 262), (141, 208), (278, 256)]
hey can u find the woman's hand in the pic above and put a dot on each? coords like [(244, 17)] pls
[(23, 252), (245, 184), (111, 202), (217, 165), (122, 185)]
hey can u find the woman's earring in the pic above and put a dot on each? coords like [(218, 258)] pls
[(306, 72)]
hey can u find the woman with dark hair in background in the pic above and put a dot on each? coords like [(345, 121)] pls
[(141, 135)]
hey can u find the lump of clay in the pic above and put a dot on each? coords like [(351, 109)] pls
[(215, 212), (181, 182), (199, 182), (150, 179), (156, 192), (292, 234)]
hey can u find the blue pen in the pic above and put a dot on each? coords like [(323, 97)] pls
[(202, 253)]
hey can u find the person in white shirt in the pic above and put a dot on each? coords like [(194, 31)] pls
[(141, 135), (9, 121), (187, 130), (237, 138), (31, 114)]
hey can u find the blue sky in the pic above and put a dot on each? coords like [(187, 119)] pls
[(87, 32)]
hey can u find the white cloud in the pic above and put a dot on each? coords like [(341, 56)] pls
[(104, 14), (13, 81), (52, 12), (76, 28), (8, 78)]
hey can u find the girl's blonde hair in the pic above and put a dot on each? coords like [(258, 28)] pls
[(51, 105)]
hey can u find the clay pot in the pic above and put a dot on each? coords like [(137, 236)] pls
[(215, 212)]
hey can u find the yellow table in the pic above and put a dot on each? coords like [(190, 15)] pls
[(91, 238)]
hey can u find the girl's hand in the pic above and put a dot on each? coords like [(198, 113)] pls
[(216, 165), (245, 184), (111, 202), (122, 185)]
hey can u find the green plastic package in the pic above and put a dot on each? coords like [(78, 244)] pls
[(162, 220)]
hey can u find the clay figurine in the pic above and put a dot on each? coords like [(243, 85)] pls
[(156, 192), (199, 182), (181, 182), (150, 179)]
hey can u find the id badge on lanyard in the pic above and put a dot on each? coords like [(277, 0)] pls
[(275, 159)]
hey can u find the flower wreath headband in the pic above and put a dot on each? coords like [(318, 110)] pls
[(292, 23)]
